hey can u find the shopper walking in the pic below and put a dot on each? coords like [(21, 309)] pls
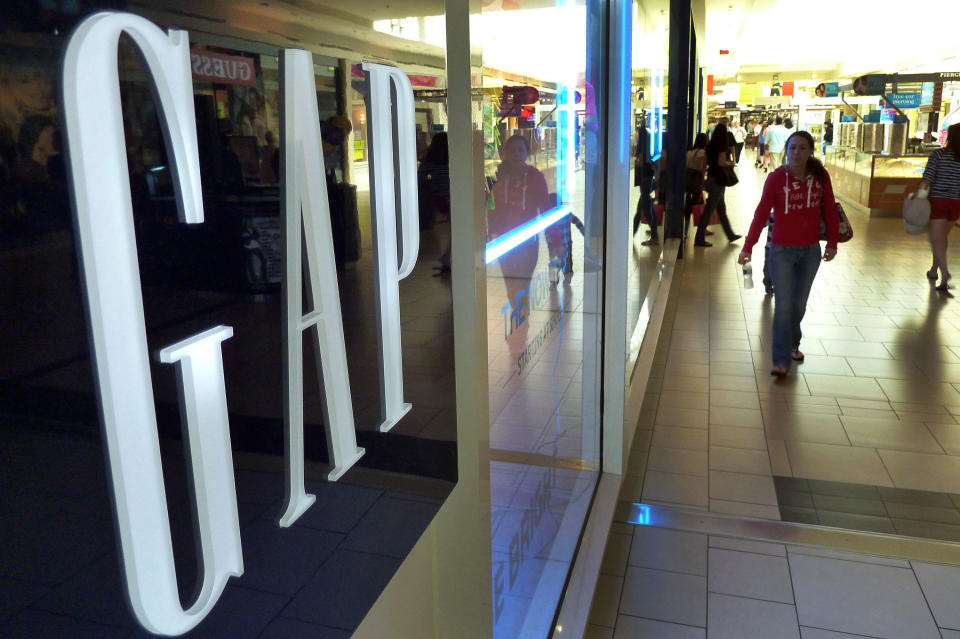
[(765, 160), (739, 135), (643, 173), (800, 194), (718, 159), (942, 177), (695, 178), (433, 189), (776, 142), (757, 143)]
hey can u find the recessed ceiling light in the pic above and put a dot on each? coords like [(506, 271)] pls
[(739, 78), (814, 75)]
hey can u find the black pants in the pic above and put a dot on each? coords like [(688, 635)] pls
[(689, 200), (715, 202), (645, 208)]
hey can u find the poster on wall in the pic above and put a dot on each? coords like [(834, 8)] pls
[(263, 250), (30, 147)]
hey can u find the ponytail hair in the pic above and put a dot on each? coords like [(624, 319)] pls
[(814, 166)]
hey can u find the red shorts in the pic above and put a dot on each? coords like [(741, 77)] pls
[(943, 208)]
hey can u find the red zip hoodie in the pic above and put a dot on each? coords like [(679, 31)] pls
[(798, 206)]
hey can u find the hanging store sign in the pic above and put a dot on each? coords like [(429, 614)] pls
[(108, 250), (904, 100), (210, 66)]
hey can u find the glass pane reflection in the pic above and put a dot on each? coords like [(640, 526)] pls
[(541, 131), (650, 59)]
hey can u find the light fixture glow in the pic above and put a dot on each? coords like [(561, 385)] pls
[(639, 515), (505, 243)]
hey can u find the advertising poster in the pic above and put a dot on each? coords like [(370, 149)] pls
[(263, 249)]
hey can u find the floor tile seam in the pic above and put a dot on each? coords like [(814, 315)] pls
[(792, 551), (923, 594), (674, 448), (936, 439), (670, 472), (742, 472), (673, 623), (672, 571), (740, 501), (747, 552), (730, 594), (887, 470), (679, 426), (852, 634)]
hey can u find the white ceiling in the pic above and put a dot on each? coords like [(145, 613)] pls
[(837, 39)]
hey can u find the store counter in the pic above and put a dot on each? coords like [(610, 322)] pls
[(873, 182)]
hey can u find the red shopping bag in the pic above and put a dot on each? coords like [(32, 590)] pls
[(659, 210), (698, 211)]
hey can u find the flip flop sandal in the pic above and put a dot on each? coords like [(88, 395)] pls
[(797, 356), (779, 371)]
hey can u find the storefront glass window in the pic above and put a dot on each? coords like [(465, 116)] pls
[(542, 131), (648, 197), (61, 571)]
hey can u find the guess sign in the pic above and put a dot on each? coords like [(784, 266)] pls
[(221, 68), (108, 249)]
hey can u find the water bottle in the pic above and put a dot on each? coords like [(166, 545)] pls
[(747, 275), (554, 271)]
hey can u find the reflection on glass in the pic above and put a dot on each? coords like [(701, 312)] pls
[(649, 93), (59, 543), (541, 125)]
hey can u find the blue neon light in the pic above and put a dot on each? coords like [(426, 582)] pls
[(656, 124), (626, 111), (505, 243), (566, 141)]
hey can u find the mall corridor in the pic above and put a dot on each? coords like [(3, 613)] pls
[(863, 436)]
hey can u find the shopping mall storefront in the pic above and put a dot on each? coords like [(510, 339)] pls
[(321, 322)]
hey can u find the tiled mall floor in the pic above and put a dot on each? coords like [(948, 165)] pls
[(875, 403), (667, 584)]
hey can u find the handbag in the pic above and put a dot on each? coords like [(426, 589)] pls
[(916, 212), (729, 176), (845, 230), (694, 181)]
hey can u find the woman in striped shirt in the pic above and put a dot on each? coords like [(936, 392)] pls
[(942, 177)]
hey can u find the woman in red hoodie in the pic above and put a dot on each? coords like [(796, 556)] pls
[(800, 195)]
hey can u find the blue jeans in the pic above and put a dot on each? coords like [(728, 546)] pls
[(793, 269)]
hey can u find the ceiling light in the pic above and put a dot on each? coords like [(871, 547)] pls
[(739, 78), (814, 76)]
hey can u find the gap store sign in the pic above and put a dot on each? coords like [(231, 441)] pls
[(105, 230)]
